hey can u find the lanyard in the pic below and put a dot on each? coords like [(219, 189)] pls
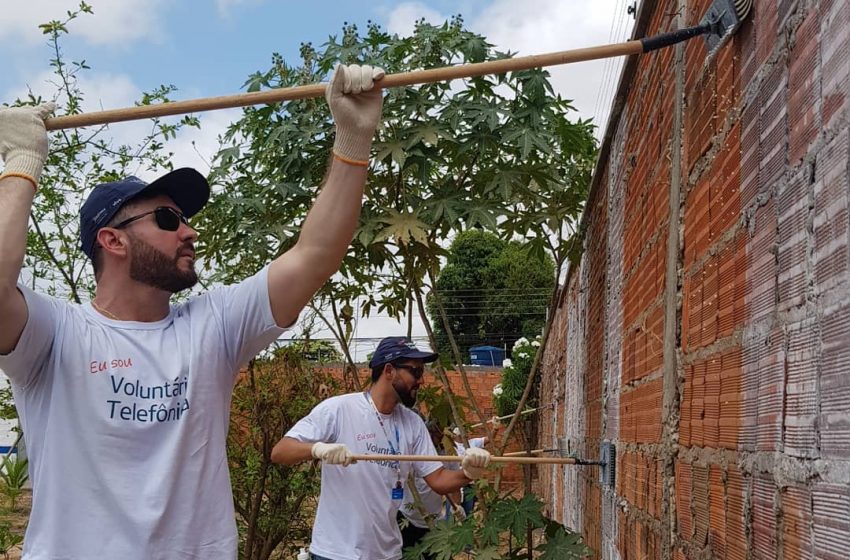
[(393, 450)]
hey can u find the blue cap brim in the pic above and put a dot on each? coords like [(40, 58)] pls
[(426, 357)]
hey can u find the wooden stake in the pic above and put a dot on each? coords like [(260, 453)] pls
[(317, 90)]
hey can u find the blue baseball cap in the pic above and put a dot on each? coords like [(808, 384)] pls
[(187, 188), (395, 347)]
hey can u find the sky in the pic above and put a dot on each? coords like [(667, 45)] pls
[(209, 47)]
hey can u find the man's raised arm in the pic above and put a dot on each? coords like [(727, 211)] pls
[(296, 275), (23, 148)]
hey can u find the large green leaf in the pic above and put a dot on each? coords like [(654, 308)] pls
[(403, 228), (515, 515), (561, 545)]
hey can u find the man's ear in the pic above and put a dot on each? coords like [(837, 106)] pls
[(388, 370), (112, 241)]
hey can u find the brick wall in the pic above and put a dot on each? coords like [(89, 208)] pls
[(706, 329)]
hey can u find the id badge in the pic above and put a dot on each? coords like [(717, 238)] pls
[(397, 493)]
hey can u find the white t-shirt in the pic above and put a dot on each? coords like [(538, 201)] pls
[(126, 424), (431, 502), (356, 518)]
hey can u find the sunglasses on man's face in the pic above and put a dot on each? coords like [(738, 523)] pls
[(416, 371), (167, 218)]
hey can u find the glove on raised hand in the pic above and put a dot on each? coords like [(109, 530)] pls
[(356, 108), (23, 140), (475, 461), (332, 453)]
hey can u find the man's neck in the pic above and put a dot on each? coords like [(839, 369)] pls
[(384, 397), (131, 301)]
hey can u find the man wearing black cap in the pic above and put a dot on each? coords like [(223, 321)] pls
[(125, 400), (356, 518)]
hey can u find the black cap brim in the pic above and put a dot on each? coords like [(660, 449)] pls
[(187, 188)]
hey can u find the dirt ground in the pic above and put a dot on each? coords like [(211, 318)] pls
[(16, 519)]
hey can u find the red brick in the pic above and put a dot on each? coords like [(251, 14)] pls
[(804, 87), (797, 541), (835, 54)]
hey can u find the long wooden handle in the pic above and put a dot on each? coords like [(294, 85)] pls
[(495, 419), (524, 453), (317, 90), (457, 459)]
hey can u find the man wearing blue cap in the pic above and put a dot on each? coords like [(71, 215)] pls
[(125, 400), (358, 503)]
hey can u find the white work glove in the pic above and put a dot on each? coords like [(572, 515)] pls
[(475, 461), (356, 108), (23, 140), (332, 453)]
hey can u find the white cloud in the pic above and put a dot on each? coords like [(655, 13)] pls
[(544, 26), (114, 22), (196, 147), (403, 17), (225, 7)]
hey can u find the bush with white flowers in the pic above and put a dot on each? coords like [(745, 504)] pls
[(515, 372)]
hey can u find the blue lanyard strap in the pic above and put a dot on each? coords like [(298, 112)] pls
[(393, 450)]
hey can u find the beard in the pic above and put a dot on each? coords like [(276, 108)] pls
[(154, 268), (405, 395)]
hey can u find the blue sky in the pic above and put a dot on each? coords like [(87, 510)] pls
[(209, 47)]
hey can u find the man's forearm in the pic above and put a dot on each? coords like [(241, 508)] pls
[(16, 196), (445, 481), (325, 236), (331, 222), (290, 451)]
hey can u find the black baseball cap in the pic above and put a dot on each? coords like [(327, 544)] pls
[(189, 190), (395, 347)]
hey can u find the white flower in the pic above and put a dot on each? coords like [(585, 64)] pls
[(507, 363), (520, 342), (497, 390), (522, 355), (535, 344)]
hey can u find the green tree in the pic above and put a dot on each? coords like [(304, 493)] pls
[(322, 351), (274, 505), (78, 160), (446, 159), (492, 291), (461, 288), (496, 153)]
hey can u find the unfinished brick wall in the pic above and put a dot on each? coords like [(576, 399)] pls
[(706, 330)]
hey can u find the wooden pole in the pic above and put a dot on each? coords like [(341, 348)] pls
[(316, 90), (458, 459), (525, 453), (495, 419)]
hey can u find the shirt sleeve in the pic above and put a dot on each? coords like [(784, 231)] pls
[(245, 312), (23, 364), (319, 425)]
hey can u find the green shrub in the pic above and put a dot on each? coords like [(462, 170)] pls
[(506, 395), (15, 474)]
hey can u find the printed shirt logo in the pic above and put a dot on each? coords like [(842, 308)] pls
[(134, 401)]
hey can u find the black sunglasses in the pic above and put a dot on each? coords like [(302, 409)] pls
[(416, 371), (167, 218)]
